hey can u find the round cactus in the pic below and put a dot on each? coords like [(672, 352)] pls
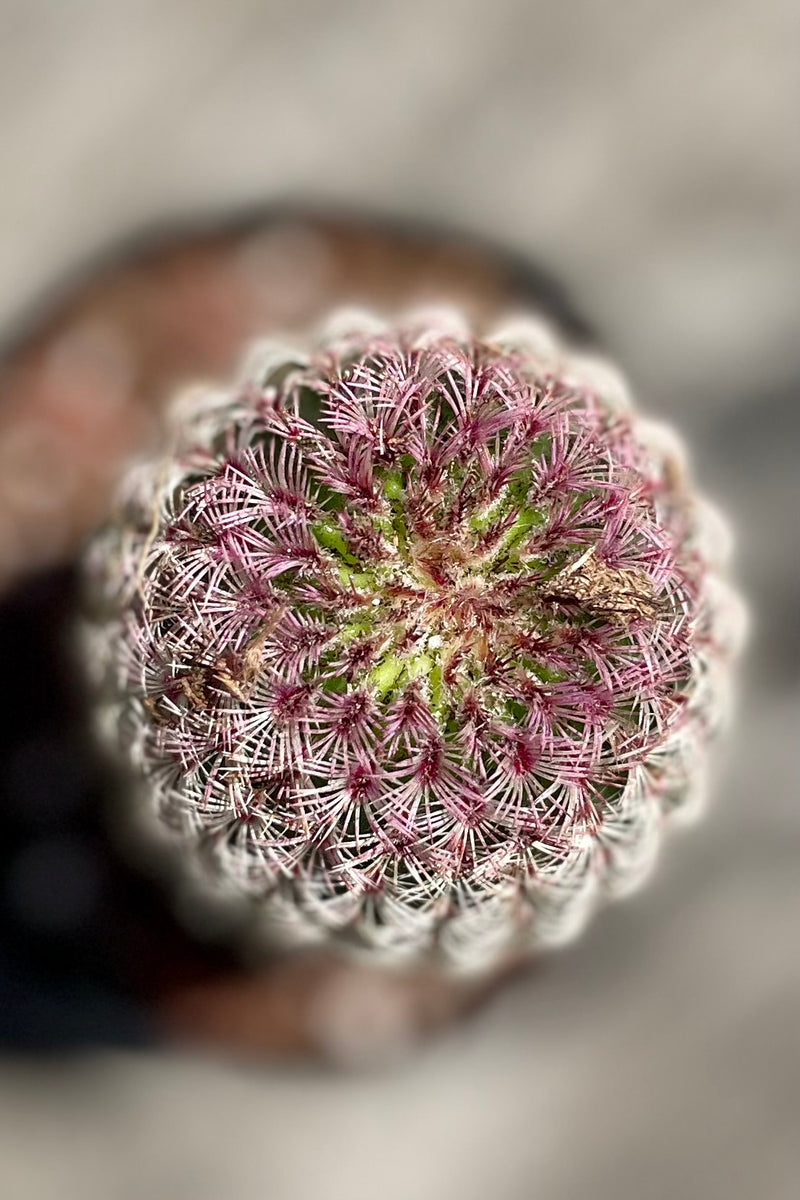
[(416, 637)]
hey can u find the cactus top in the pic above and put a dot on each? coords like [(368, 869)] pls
[(409, 636)]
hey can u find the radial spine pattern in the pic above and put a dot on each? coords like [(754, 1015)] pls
[(416, 638)]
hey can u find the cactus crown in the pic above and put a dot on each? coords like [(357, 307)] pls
[(415, 634)]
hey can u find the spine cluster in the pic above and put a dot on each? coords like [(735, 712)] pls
[(416, 637)]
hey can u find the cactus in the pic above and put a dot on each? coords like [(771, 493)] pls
[(416, 638)]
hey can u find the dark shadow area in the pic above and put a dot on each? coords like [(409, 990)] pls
[(85, 942)]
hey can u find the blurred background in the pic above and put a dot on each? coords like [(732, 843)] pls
[(642, 154)]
